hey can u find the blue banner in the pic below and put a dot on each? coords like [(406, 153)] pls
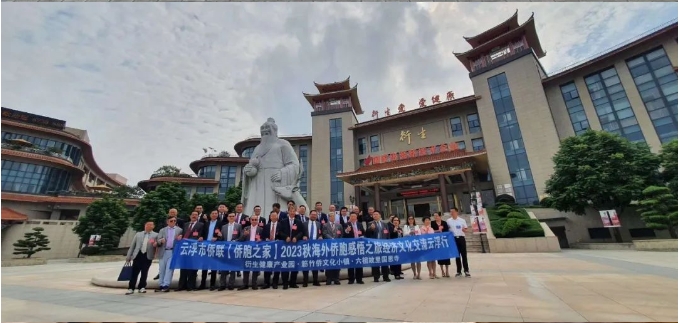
[(312, 255)]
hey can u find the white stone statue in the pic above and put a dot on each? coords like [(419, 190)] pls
[(273, 173)]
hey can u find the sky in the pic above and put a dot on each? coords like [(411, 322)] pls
[(155, 83)]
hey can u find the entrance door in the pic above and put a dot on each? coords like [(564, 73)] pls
[(560, 233), (422, 210)]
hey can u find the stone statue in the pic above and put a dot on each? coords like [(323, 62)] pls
[(273, 173)]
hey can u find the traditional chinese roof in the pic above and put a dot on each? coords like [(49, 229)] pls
[(333, 87), (350, 92), (209, 161), (503, 27), (145, 184), (16, 197), (669, 30), (84, 145), (254, 141), (11, 215), (527, 29), (420, 161), (417, 112)]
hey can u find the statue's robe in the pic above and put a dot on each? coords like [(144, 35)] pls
[(278, 156)]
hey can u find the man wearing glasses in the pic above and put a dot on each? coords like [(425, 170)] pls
[(230, 232), (166, 240)]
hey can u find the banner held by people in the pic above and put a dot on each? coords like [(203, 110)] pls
[(311, 255)]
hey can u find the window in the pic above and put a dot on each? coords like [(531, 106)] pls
[(227, 179), (67, 150), (207, 172), (612, 106), (247, 152), (188, 191), (205, 190), (477, 144), (473, 123), (656, 82), (374, 144), (336, 162), (362, 146), (574, 107), (361, 162), (463, 146), (33, 179), (456, 127), (303, 157), (512, 141)]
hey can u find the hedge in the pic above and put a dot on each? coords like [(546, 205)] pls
[(508, 221)]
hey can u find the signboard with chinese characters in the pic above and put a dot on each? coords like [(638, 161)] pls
[(477, 204), (38, 120), (424, 151), (610, 218), (416, 193), (311, 255)]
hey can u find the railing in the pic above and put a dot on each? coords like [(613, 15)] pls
[(38, 151), (89, 194), (222, 154), (175, 175), (614, 47)]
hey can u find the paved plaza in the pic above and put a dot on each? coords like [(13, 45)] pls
[(578, 285)]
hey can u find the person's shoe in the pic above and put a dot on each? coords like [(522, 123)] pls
[(221, 289), (317, 284), (305, 285), (166, 290), (230, 288), (274, 286), (338, 282), (255, 287), (266, 286), (180, 289), (387, 279), (294, 286), (377, 280), (328, 283), (201, 287), (212, 289), (285, 287), (351, 282), (360, 282), (243, 288), (130, 292), (458, 275), (157, 277), (160, 289), (466, 274), (142, 290)]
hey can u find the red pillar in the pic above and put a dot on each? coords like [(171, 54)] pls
[(378, 205), (444, 194)]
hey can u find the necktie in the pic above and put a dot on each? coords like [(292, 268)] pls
[(229, 234), (355, 231), (292, 223), (313, 230), (188, 232), (272, 235), (145, 244)]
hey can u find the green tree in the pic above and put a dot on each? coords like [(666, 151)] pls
[(108, 218), (668, 161), (208, 201), (167, 170), (233, 196), (600, 170), (32, 243), (155, 205), (659, 209), (127, 192)]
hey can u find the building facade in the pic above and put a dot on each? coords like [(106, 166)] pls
[(499, 140)]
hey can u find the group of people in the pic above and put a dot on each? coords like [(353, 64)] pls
[(290, 226)]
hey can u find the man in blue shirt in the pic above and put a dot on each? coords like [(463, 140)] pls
[(210, 233)]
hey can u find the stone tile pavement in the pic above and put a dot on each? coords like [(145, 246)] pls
[(611, 286)]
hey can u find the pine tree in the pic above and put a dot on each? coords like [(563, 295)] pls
[(32, 243), (659, 209)]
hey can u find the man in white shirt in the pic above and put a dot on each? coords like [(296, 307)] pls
[(230, 232), (251, 233), (458, 226), (313, 232)]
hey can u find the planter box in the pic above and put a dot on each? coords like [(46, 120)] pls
[(524, 245), (603, 246), (23, 262), (656, 245)]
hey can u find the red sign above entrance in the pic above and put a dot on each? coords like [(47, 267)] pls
[(425, 151), (416, 193)]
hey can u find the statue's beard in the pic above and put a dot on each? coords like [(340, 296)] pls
[(268, 139)]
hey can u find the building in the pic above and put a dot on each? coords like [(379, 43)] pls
[(48, 169), (499, 140)]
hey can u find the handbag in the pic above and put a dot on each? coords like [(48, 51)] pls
[(125, 272)]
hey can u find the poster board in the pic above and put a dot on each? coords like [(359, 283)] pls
[(610, 218), (478, 224)]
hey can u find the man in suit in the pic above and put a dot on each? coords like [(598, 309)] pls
[(192, 231), (222, 213), (272, 232), (301, 211), (251, 233), (231, 231), (166, 240), (179, 223), (141, 254), (378, 230), (313, 229), (354, 229), (282, 216), (293, 231), (322, 216), (332, 230), (202, 217), (368, 217), (243, 220), (257, 210), (344, 216), (210, 231)]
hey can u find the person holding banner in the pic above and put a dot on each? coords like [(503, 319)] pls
[(313, 232), (229, 232), (272, 232), (210, 233), (378, 230), (441, 226), (427, 229), (458, 226), (192, 230), (354, 229), (252, 233), (332, 230), (166, 240), (395, 232), (141, 254), (411, 229), (293, 231)]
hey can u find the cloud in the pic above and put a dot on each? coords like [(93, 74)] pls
[(154, 83)]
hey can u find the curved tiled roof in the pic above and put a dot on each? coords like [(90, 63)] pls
[(325, 87), (11, 215), (17, 197), (501, 28), (208, 161), (85, 146)]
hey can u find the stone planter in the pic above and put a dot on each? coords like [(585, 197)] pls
[(656, 245), (23, 262)]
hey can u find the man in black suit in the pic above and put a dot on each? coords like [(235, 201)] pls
[(344, 216), (313, 229), (293, 231), (301, 211), (283, 215), (368, 217), (272, 232), (378, 230), (202, 217), (223, 213), (354, 229), (192, 231), (243, 220), (210, 233), (322, 217), (257, 210)]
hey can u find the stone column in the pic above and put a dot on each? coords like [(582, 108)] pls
[(357, 195), (378, 204), (444, 194)]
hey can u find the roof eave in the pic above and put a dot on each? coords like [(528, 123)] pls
[(513, 20)]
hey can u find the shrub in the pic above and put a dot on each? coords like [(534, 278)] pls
[(504, 210), (505, 199), (511, 226), (546, 202), (517, 215)]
